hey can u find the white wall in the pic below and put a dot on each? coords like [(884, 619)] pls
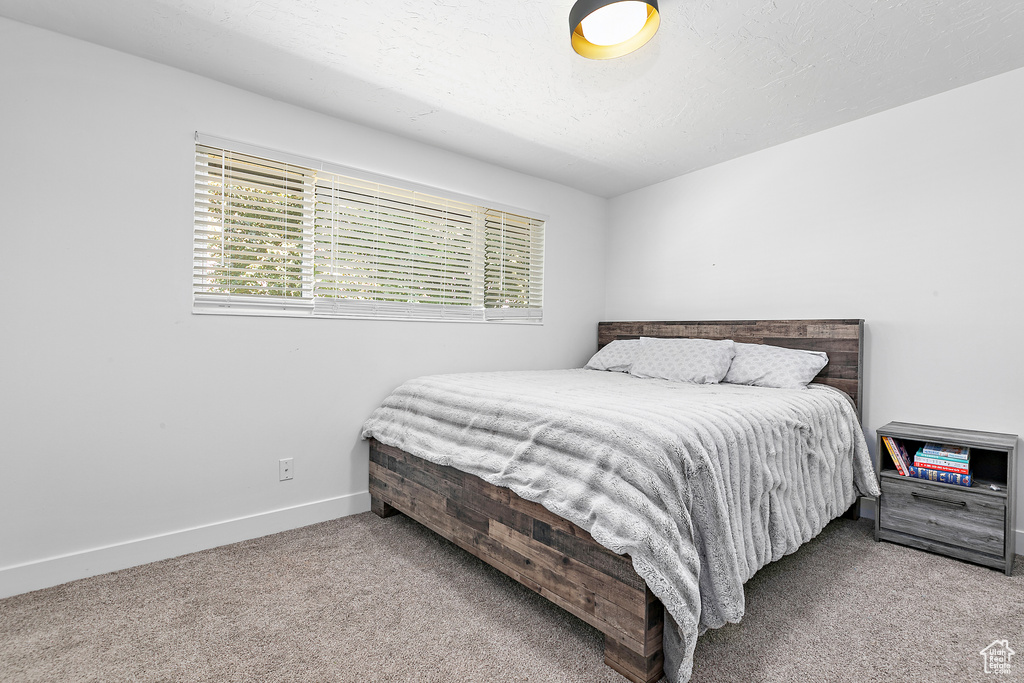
[(910, 219), (132, 430)]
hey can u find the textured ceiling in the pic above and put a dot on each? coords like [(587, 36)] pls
[(498, 80)]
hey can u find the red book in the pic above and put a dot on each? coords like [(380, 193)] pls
[(942, 468)]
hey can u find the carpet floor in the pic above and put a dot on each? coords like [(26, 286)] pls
[(365, 599)]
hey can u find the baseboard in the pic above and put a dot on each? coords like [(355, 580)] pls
[(53, 571)]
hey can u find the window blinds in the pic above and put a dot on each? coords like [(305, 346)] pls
[(513, 273), (252, 230), (281, 238)]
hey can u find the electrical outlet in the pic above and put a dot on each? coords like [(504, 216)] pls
[(285, 468)]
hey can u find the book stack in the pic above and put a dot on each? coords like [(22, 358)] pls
[(934, 462), (899, 455), (946, 464)]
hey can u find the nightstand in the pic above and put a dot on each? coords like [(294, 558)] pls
[(969, 523)]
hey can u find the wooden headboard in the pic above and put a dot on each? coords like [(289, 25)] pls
[(842, 340)]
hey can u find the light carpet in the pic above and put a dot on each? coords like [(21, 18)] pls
[(366, 599)]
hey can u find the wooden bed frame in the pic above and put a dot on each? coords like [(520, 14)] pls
[(553, 556)]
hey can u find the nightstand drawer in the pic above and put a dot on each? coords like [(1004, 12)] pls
[(964, 518)]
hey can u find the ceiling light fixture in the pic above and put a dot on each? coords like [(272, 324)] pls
[(603, 29)]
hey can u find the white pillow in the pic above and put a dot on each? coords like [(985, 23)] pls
[(701, 361), (773, 366), (616, 356)]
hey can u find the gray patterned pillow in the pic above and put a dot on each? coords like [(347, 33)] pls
[(616, 356), (774, 366), (701, 361)]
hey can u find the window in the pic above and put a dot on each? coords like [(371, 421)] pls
[(281, 235)]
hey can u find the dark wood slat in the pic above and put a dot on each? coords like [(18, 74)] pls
[(468, 516), (590, 553), (495, 510), (542, 551), (636, 667), (847, 386), (380, 508)]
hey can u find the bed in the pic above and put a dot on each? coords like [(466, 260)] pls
[(536, 529)]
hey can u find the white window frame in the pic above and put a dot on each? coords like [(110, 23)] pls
[(502, 280)]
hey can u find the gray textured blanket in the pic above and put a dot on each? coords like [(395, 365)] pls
[(702, 485)]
